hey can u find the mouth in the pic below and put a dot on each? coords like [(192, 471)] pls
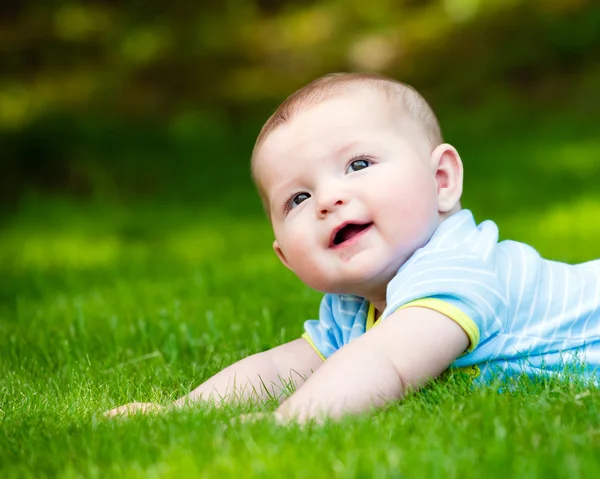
[(347, 232)]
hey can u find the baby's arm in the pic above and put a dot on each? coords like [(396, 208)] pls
[(247, 379), (407, 349)]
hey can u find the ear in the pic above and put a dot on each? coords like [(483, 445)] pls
[(448, 176), (280, 254)]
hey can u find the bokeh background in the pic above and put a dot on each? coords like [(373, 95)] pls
[(122, 121), (136, 260)]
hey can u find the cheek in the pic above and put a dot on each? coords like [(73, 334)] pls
[(294, 245), (409, 194), (413, 207), (306, 268), (299, 250)]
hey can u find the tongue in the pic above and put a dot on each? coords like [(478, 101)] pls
[(348, 232)]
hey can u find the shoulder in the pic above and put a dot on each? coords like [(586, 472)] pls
[(458, 248), (458, 265), (460, 234)]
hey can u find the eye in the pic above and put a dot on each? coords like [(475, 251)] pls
[(358, 164), (295, 201)]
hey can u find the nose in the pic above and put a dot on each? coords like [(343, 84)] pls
[(328, 202)]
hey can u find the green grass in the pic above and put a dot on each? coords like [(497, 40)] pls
[(106, 303)]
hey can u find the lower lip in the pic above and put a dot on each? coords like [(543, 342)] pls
[(352, 240)]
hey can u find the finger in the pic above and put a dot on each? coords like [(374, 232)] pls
[(127, 409)]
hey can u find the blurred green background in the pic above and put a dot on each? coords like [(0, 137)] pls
[(127, 125), (122, 100)]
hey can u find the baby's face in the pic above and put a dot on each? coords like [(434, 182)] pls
[(351, 191)]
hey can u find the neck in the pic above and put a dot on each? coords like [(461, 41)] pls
[(379, 304)]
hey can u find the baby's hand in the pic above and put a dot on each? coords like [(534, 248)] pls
[(133, 408), (260, 416)]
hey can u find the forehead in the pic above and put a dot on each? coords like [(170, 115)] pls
[(330, 126), (362, 108)]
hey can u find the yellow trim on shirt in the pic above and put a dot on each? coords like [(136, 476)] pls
[(369, 325), (452, 312), (310, 341), (370, 317), (472, 371)]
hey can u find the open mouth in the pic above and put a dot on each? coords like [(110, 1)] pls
[(348, 231)]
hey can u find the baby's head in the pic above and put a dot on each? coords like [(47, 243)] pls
[(406, 99), (354, 176)]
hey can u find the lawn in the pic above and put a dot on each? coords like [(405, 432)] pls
[(107, 302)]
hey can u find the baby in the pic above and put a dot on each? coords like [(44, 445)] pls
[(364, 199)]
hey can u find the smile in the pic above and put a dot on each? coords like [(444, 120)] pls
[(347, 232)]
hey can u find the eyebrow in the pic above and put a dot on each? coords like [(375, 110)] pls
[(346, 148)]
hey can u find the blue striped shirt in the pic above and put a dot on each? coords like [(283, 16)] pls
[(522, 313)]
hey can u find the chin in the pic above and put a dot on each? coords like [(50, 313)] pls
[(332, 287), (360, 280)]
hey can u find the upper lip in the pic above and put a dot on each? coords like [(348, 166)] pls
[(337, 229)]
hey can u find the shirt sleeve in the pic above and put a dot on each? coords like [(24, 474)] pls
[(461, 283), (342, 318)]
